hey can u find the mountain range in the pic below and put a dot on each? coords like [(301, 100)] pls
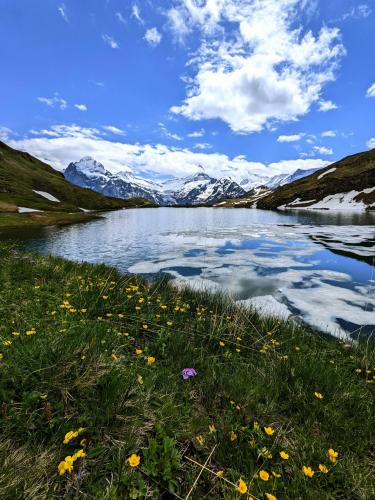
[(29, 185), (196, 189)]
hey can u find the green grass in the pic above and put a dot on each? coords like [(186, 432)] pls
[(31, 220), (79, 369), (21, 173)]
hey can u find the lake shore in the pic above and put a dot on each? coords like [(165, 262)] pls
[(9, 221), (94, 404)]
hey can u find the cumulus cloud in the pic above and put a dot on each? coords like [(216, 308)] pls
[(197, 133), (371, 143), (290, 138), (328, 133), (371, 91), (5, 133), (109, 40), (255, 64), (81, 107), (114, 130), (322, 150), (202, 145), (153, 37), (54, 102), (62, 144), (62, 10), (326, 106)]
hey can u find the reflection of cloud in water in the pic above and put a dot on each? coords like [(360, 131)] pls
[(262, 257), (270, 267)]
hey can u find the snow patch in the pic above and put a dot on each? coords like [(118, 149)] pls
[(46, 195), (25, 210), (330, 171)]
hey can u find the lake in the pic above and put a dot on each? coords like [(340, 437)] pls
[(314, 265)]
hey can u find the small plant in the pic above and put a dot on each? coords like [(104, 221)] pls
[(162, 461)]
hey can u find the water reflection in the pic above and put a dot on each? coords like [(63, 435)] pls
[(314, 264)]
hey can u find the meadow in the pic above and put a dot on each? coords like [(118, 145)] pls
[(114, 387)]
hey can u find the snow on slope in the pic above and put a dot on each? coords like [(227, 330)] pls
[(46, 195), (339, 201)]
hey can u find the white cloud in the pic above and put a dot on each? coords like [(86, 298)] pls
[(136, 13), (5, 133), (121, 18), (371, 91), (290, 138), (81, 107), (168, 134), (326, 106), (256, 64), (371, 143), (63, 144), (114, 130), (54, 102), (322, 150), (361, 11), (153, 37), (329, 133), (110, 41), (202, 145), (197, 133), (63, 13)]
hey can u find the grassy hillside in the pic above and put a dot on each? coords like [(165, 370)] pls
[(356, 172), (20, 173), (93, 404)]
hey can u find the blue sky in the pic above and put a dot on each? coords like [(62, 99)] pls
[(160, 87)]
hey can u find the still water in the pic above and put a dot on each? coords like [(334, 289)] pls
[(318, 266)]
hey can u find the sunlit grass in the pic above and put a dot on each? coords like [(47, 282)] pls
[(93, 403)]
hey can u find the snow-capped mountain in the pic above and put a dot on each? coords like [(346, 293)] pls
[(200, 188), (192, 190), (196, 189), (283, 179), (91, 174)]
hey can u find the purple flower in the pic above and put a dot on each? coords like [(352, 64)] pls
[(188, 372)]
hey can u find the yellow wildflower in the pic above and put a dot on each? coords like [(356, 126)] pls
[(140, 379), (220, 473), (269, 496), (275, 474), (241, 487), (200, 439), (264, 476), (150, 360), (284, 455), (269, 431), (212, 428), (16, 334), (221, 343), (114, 357), (332, 455), (233, 436), (308, 471), (323, 469), (7, 343), (138, 351), (318, 395), (134, 460), (79, 454), (145, 327)]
